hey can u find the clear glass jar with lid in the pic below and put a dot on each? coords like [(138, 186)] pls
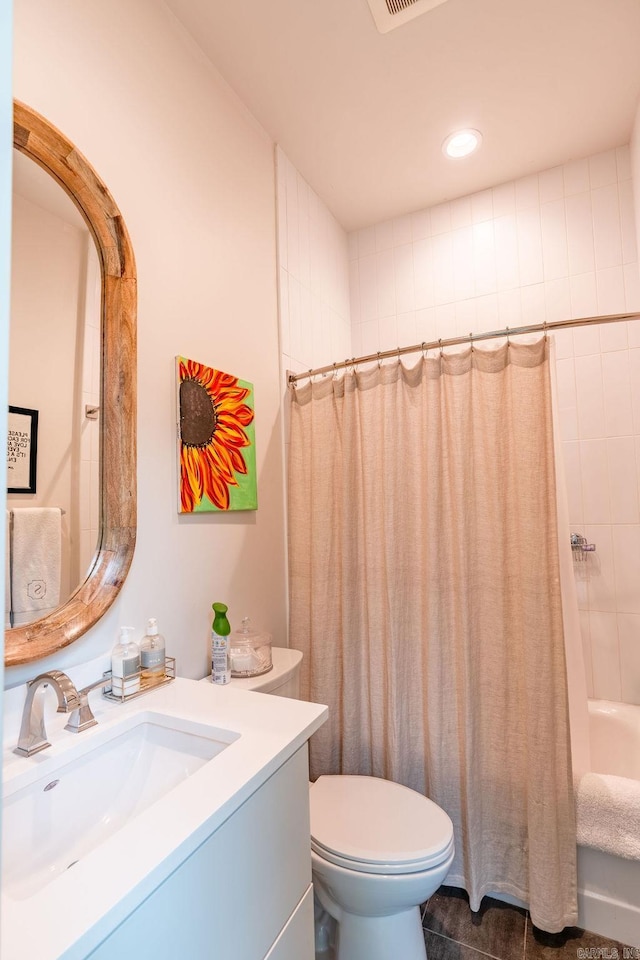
[(249, 651)]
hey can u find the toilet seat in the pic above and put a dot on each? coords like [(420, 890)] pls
[(377, 826)]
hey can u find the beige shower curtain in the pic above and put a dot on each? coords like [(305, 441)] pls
[(424, 594)]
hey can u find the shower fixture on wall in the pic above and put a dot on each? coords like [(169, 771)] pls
[(580, 547)]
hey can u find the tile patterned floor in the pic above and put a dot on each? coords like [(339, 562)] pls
[(503, 932)]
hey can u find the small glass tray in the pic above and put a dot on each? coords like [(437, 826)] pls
[(145, 685)]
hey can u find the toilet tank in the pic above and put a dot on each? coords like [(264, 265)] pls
[(281, 681)]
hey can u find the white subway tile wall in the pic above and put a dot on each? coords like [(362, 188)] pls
[(314, 289), (553, 245), (313, 277)]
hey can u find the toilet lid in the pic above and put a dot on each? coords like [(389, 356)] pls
[(377, 826)]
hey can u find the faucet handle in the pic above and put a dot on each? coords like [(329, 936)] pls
[(82, 717), (103, 682)]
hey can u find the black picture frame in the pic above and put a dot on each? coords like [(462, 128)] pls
[(22, 450)]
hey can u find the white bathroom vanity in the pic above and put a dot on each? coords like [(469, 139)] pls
[(177, 827)]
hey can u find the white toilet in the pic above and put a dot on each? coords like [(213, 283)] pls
[(378, 849)]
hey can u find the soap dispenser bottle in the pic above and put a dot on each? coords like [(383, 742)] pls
[(152, 649), (220, 659), (125, 665)]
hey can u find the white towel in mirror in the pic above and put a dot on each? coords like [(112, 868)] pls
[(35, 568)]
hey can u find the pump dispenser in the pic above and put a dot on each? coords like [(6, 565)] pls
[(152, 648), (125, 664)]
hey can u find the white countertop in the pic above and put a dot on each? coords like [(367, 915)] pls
[(71, 915)]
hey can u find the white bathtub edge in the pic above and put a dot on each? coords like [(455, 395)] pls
[(608, 918), (615, 913)]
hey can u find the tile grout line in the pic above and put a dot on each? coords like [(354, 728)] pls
[(460, 943)]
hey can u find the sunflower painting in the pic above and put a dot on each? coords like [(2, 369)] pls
[(216, 440)]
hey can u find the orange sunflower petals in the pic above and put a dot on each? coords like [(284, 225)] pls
[(217, 491), (211, 470), (238, 462)]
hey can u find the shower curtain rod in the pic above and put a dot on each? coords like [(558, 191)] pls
[(471, 338)]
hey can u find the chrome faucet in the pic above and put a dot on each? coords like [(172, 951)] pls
[(33, 736)]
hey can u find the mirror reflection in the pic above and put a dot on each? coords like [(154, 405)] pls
[(54, 370)]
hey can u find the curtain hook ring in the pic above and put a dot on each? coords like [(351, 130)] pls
[(471, 340), (379, 360), (440, 342), (399, 360), (424, 352), (335, 371), (508, 340)]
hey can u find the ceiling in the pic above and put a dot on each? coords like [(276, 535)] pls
[(362, 115)]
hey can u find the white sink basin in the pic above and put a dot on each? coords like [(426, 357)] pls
[(52, 822)]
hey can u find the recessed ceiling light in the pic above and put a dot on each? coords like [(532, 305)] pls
[(462, 143)]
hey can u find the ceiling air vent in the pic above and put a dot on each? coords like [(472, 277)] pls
[(389, 14), (395, 6)]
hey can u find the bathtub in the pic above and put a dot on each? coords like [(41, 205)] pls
[(609, 885)]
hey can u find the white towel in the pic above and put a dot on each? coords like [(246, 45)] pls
[(35, 569), (7, 573), (608, 814)]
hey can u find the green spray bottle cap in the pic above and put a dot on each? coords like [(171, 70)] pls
[(220, 625)]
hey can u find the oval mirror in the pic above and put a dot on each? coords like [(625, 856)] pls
[(38, 140), (54, 374)]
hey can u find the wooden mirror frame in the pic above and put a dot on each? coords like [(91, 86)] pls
[(38, 139)]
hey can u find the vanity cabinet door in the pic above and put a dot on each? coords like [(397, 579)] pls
[(296, 940), (233, 897)]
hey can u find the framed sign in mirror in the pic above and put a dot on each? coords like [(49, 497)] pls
[(22, 450)]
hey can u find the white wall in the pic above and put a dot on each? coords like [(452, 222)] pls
[(635, 169), (554, 245), (313, 276), (193, 175)]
